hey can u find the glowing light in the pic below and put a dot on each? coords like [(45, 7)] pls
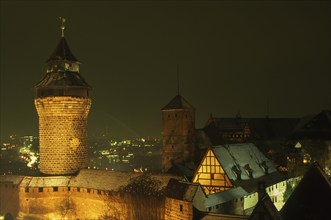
[(33, 159)]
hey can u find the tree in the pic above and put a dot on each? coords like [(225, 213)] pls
[(144, 198), (288, 192)]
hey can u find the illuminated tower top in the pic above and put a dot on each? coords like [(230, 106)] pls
[(62, 77)]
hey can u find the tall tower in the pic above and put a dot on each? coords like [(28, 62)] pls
[(62, 102), (178, 118)]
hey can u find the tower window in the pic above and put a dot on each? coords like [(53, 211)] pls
[(40, 189), (181, 207), (55, 189)]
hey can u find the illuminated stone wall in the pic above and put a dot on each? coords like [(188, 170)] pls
[(178, 209), (9, 199), (76, 203), (178, 136), (63, 134), (64, 203)]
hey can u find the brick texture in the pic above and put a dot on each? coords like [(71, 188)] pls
[(62, 134)]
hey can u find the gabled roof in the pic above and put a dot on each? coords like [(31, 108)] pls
[(181, 190), (311, 198), (260, 128), (318, 126), (265, 209), (229, 124), (244, 156), (62, 52), (271, 128), (178, 103)]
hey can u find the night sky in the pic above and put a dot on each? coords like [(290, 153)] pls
[(233, 57)]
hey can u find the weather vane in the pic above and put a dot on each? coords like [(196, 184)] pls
[(63, 20)]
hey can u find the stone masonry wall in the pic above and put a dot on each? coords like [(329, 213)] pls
[(63, 134), (178, 136), (66, 203), (9, 199), (178, 210)]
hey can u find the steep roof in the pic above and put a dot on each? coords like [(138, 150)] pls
[(62, 52), (316, 127), (265, 209), (270, 128), (62, 77), (311, 199), (260, 128), (245, 156), (178, 102)]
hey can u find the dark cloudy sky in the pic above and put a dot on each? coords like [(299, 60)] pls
[(233, 56)]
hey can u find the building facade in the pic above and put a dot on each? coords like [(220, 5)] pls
[(178, 132)]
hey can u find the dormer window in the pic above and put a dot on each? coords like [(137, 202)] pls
[(264, 167), (237, 171), (248, 170)]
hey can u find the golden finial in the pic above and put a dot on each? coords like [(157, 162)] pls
[(63, 20)]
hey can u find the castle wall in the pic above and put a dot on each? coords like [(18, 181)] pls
[(9, 202), (63, 134), (178, 209), (84, 203), (60, 202)]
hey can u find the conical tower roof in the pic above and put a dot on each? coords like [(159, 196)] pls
[(62, 77), (178, 102), (62, 52)]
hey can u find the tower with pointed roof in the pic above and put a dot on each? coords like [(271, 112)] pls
[(178, 118), (62, 102)]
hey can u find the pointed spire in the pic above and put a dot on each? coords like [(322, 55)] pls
[(62, 51), (177, 79), (268, 108), (63, 20)]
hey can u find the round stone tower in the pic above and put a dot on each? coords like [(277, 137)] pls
[(178, 132), (62, 102)]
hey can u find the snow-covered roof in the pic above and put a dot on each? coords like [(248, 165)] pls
[(111, 180), (225, 196), (245, 157), (49, 181)]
